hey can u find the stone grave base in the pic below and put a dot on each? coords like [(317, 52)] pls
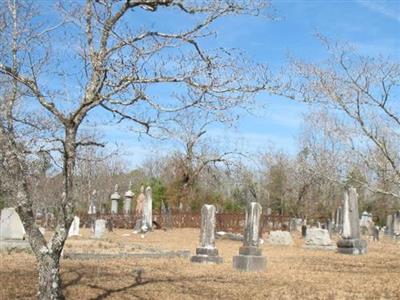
[(352, 246), (250, 263), (206, 256), (10, 245)]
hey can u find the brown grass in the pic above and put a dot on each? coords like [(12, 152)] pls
[(293, 272)]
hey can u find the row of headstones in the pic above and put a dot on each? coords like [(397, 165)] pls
[(250, 256), (143, 209)]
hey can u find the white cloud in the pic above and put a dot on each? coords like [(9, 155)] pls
[(390, 9)]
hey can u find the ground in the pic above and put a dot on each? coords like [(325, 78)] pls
[(292, 272)]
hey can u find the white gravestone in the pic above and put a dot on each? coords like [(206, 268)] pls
[(318, 238), (99, 228), (279, 237), (74, 229), (351, 242), (11, 227)]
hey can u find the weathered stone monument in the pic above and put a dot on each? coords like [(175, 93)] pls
[(139, 210), (128, 200), (318, 238), (115, 197), (351, 242), (11, 227), (99, 228), (250, 258), (147, 219), (207, 252), (74, 229)]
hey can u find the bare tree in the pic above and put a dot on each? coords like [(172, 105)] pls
[(198, 156), (364, 90), (61, 71)]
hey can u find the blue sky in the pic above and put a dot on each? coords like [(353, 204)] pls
[(372, 26)]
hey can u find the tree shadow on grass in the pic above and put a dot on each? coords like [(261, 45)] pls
[(107, 292)]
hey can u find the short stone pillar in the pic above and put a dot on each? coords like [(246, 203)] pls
[(115, 197), (250, 258), (207, 252), (99, 228), (351, 242), (128, 200)]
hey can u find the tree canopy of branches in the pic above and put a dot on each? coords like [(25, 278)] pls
[(71, 64)]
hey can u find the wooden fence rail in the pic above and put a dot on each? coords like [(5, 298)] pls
[(232, 222)]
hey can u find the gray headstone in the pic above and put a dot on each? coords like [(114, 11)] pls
[(99, 228), (389, 225), (319, 239), (147, 219), (279, 237), (115, 197), (128, 200), (351, 242), (339, 219), (250, 258), (207, 253), (11, 227)]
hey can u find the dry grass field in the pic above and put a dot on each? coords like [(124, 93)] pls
[(293, 272)]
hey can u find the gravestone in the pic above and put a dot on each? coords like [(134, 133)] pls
[(140, 201), (147, 218), (250, 258), (318, 238), (339, 219), (115, 197), (92, 211), (351, 242), (279, 237), (11, 227), (74, 229), (166, 215), (207, 252), (99, 228), (303, 231), (128, 199), (389, 225), (396, 224)]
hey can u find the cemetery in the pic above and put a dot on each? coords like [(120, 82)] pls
[(199, 149), (269, 260)]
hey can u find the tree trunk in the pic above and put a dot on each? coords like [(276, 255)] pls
[(49, 277)]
